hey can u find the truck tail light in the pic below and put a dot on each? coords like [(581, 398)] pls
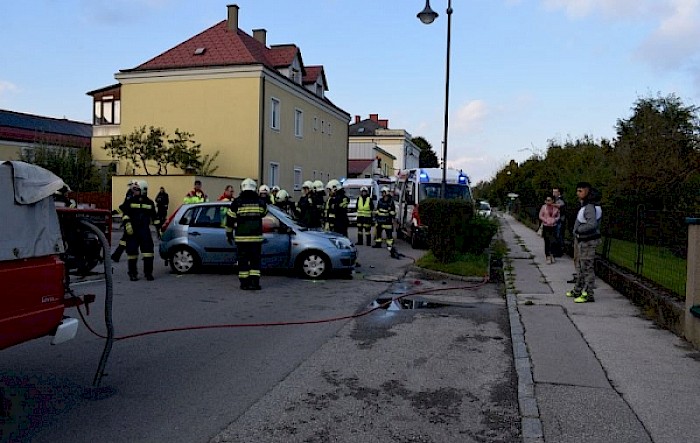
[(415, 215)]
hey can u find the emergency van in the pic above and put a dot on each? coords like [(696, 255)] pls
[(416, 185)]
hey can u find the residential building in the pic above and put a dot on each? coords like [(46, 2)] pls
[(259, 107), (367, 160), (395, 142), (20, 132)]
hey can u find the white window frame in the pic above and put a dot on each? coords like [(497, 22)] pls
[(274, 175), (275, 111), (315, 123), (298, 178), (323, 126), (298, 123), (330, 129)]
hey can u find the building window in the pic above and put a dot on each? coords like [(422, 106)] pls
[(329, 129), (315, 123), (319, 90), (298, 123), (323, 126), (275, 114), (107, 111), (297, 178), (274, 174), (315, 174), (295, 75)]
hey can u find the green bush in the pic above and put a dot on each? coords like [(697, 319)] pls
[(476, 235)]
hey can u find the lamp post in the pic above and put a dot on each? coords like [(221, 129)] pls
[(427, 16)]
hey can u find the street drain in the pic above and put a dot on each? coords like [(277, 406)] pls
[(397, 304)]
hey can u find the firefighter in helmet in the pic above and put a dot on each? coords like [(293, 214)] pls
[(384, 221), (303, 208), (139, 212), (365, 209), (318, 205), (244, 226), (117, 254), (337, 208)]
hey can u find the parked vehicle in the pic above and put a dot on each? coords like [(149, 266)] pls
[(414, 186), (34, 280), (352, 188), (193, 237), (484, 209)]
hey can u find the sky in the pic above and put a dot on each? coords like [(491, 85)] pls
[(523, 72)]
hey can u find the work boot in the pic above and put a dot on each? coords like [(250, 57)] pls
[(245, 283), (133, 272), (585, 297), (368, 238), (148, 268), (377, 245), (359, 239), (573, 293), (255, 283), (117, 254)]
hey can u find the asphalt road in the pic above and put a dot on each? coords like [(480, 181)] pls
[(191, 386)]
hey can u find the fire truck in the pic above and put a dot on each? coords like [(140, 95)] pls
[(414, 186), (38, 246)]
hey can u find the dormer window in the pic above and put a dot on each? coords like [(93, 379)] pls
[(295, 75)]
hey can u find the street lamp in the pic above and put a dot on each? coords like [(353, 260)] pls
[(427, 16)]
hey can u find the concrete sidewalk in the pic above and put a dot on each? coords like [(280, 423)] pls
[(593, 372)]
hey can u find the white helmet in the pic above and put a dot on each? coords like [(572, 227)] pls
[(282, 195), (334, 185), (248, 185), (364, 189), (318, 186), (385, 189), (308, 184), (264, 188), (143, 184), (132, 182), (275, 188)]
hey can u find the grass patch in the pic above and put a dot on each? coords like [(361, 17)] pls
[(467, 265), (660, 265)]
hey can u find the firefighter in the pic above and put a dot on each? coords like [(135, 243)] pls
[(318, 205), (384, 220), (337, 208), (117, 254), (365, 209), (303, 208), (264, 192), (245, 227), (273, 194), (196, 195), (139, 212), (284, 202)]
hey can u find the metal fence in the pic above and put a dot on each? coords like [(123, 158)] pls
[(652, 244)]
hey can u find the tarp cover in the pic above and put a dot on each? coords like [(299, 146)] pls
[(29, 221)]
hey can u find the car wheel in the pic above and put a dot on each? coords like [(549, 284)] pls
[(183, 260), (313, 265)]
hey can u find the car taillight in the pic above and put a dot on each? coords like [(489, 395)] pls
[(169, 220), (415, 215)]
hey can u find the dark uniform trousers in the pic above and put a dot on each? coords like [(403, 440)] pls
[(249, 253)]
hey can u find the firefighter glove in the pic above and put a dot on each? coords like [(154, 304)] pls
[(128, 228)]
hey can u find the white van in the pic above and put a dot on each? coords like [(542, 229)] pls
[(415, 185), (352, 188)]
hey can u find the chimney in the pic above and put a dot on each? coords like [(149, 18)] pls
[(232, 22), (374, 117), (383, 123), (357, 119), (260, 35)]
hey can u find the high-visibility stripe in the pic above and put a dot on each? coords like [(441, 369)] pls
[(250, 210), (243, 274), (140, 206), (148, 254), (254, 273), (249, 238)]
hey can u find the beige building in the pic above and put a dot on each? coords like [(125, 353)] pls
[(258, 106), (395, 142)]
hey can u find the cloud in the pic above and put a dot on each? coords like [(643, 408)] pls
[(471, 115), (7, 87), (608, 8)]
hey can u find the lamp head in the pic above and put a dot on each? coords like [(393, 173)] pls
[(427, 15)]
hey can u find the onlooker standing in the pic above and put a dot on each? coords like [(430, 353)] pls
[(196, 195), (587, 233), (162, 203), (549, 217), (226, 196), (559, 202)]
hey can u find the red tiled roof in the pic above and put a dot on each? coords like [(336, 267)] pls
[(358, 166), (222, 47), (282, 55)]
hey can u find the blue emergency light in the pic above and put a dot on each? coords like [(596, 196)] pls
[(423, 176)]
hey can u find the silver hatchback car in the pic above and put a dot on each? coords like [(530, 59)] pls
[(194, 236)]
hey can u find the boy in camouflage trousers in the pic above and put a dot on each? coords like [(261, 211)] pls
[(587, 234)]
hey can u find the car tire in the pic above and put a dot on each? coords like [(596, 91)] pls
[(183, 260), (313, 265)]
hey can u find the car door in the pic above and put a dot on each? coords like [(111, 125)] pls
[(276, 243), (208, 232)]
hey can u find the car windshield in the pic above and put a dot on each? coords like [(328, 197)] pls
[(453, 191), (485, 206), (352, 192)]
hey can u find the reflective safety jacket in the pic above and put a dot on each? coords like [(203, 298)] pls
[(245, 217), (365, 206), (195, 196), (386, 211)]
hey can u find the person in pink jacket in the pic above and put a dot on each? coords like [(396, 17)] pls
[(549, 216)]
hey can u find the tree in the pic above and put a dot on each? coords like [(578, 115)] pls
[(427, 159), (73, 165), (142, 148)]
